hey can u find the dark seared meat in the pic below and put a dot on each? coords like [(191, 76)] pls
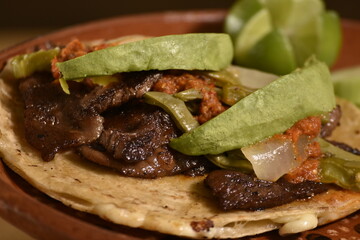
[(333, 122), (132, 133), (53, 121), (164, 162), (235, 190), (129, 86), (135, 142)]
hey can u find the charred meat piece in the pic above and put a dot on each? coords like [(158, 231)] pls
[(53, 120), (130, 86), (135, 142), (235, 190), (133, 132), (333, 122)]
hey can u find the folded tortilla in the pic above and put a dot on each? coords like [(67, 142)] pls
[(177, 205)]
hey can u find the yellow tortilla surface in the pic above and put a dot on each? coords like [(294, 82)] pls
[(172, 205), (349, 129)]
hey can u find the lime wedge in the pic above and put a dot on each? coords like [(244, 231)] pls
[(300, 13), (347, 84), (300, 21), (239, 14), (330, 37), (254, 30), (279, 11), (303, 24), (305, 39), (273, 53)]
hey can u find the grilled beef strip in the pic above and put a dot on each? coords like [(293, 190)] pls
[(236, 190), (135, 142), (129, 86), (133, 139), (56, 121), (53, 121)]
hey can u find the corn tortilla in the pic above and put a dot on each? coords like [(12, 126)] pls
[(171, 205)]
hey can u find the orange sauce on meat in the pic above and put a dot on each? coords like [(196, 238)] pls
[(308, 170), (210, 105), (73, 49), (309, 126)]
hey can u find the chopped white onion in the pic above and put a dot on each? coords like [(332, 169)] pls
[(275, 157)]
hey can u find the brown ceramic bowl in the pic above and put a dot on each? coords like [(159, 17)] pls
[(47, 219)]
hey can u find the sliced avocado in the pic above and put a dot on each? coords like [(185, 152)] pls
[(200, 51), (267, 111)]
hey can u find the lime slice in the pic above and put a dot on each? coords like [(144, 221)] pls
[(330, 38), (347, 84), (239, 14), (254, 30), (273, 53)]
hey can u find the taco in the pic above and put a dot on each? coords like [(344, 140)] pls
[(152, 170)]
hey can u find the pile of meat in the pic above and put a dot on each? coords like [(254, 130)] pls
[(107, 125)]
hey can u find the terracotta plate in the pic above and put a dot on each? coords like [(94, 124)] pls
[(44, 218)]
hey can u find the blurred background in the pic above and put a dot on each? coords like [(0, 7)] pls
[(23, 19)]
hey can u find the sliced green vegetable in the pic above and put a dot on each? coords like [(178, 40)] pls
[(200, 51), (64, 85), (231, 94), (237, 82), (267, 111), (100, 80), (104, 80), (233, 160), (189, 95), (249, 78), (26, 64), (340, 167), (175, 107)]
